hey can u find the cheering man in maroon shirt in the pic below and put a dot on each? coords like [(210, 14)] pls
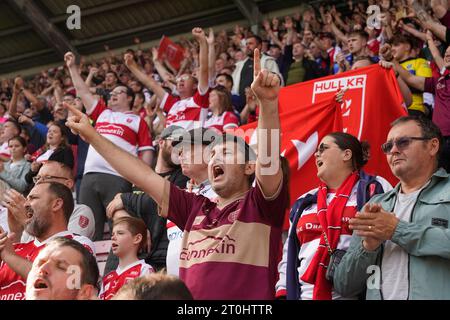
[(230, 247)]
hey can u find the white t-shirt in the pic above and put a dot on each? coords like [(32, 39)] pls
[(125, 129), (4, 218), (394, 267), (45, 156), (4, 150), (175, 234)]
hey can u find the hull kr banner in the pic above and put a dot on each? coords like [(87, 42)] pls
[(308, 112), (302, 128)]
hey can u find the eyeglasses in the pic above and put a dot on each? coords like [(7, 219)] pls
[(185, 78), (322, 147), (39, 178), (116, 93), (401, 143)]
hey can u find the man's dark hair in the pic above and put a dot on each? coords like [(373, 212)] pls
[(68, 93), (362, 58), (64, 193), (257, 38), (360, 33), (275, 46), (64, 156), (114, 73), (89, 267), (401, 38), (156, 286), (227, 77), (429, 128)]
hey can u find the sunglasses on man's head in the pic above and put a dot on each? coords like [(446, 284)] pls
[(401, 143)]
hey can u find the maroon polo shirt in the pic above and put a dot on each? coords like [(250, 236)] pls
[(440, 87), (229, 253)]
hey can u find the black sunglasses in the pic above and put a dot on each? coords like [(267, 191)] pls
[(401, 143)]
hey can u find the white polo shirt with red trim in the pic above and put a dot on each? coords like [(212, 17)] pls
[(227, 120), (189, 113), (125, 129)]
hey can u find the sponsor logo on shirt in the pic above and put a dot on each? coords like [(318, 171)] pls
[(203, 248), (111, 129), (13, 291)]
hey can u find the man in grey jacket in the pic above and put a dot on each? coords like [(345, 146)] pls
[(401, 245)]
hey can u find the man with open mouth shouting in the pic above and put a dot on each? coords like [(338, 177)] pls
[(48, 206), (230, 248)]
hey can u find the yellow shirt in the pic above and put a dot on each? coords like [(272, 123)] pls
[(418, 67)]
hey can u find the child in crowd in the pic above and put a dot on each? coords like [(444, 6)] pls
[(129, 235)]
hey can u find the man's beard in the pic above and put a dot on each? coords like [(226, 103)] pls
[(36, 227), (167, 157)]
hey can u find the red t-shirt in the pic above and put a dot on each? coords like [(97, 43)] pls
[(116, 279), (12, 286), (230, 253)]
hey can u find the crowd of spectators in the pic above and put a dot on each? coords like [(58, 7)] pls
[(138, 100)]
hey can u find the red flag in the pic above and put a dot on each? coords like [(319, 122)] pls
[(372, 101), (170, 51), (308, 113)]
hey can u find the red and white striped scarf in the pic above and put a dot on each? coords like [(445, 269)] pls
[(330, 218)]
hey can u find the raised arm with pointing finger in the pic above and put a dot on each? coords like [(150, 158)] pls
[(266, 87)]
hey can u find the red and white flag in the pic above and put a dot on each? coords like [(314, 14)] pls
[(170, 51), (308, 112), (373, 100)]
